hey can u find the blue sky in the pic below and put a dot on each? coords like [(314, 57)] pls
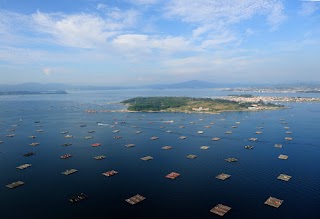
[(159, 41)]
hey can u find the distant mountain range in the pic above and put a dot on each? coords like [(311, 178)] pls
[(194, 84)]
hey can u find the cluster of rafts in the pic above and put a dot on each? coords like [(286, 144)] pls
[(219, 209)]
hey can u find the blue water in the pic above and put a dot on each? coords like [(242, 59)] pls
[(192, 195)]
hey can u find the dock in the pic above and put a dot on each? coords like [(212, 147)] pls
[(110, 173), (24, 166), (166, 147), (204, 147), (231, 159), (191, 156), (215, 139), (146, 158), (273, 202), (70, 171), (223, 176), (78, 198), (130, 145), (172, 175), (284, 177), (100, 157), (15, 184), (283, 157), (248, 147), (278, 145), (154, 138), (220, 209), (135, 199)]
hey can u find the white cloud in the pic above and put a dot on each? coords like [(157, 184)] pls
[(217, 14), (83, 30), (309, 7)]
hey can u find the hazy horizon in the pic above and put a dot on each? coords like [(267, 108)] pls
[(152, 41)]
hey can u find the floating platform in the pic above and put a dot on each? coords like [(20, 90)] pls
[(215, 139), (278, 145), (110, 173), (66, 144), (146, 158), (288, 138), (253, 139), (130, 145), (231, 159), (154, 138), (23, 166), (273, 202), (191, 156), (220, 209), (248, 147), (182, 137), (70, 171), (29, 154), (34, 144), (100, 157), (15, 184), (96, 144), (284, 177), (223, 176), (78, 198), (283, 157), (166, 147), (204, 147), (65, 156), (135, 199), (172, 175)]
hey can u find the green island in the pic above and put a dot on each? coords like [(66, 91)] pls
[(193, 105)]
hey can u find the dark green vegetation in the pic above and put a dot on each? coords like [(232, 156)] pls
[(189, 104)]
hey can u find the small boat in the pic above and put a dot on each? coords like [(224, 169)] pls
[(77, 198), (95, 144), (34, 144), (32, 136), (117, 137), (29, 154), (200, 132), (66, 144), (248, 147), (68, 136), (64, 132), (65, 156)]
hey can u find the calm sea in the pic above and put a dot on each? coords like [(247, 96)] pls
[(192, 195)]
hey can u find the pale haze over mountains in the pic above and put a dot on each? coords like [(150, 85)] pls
[(141, 42)]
